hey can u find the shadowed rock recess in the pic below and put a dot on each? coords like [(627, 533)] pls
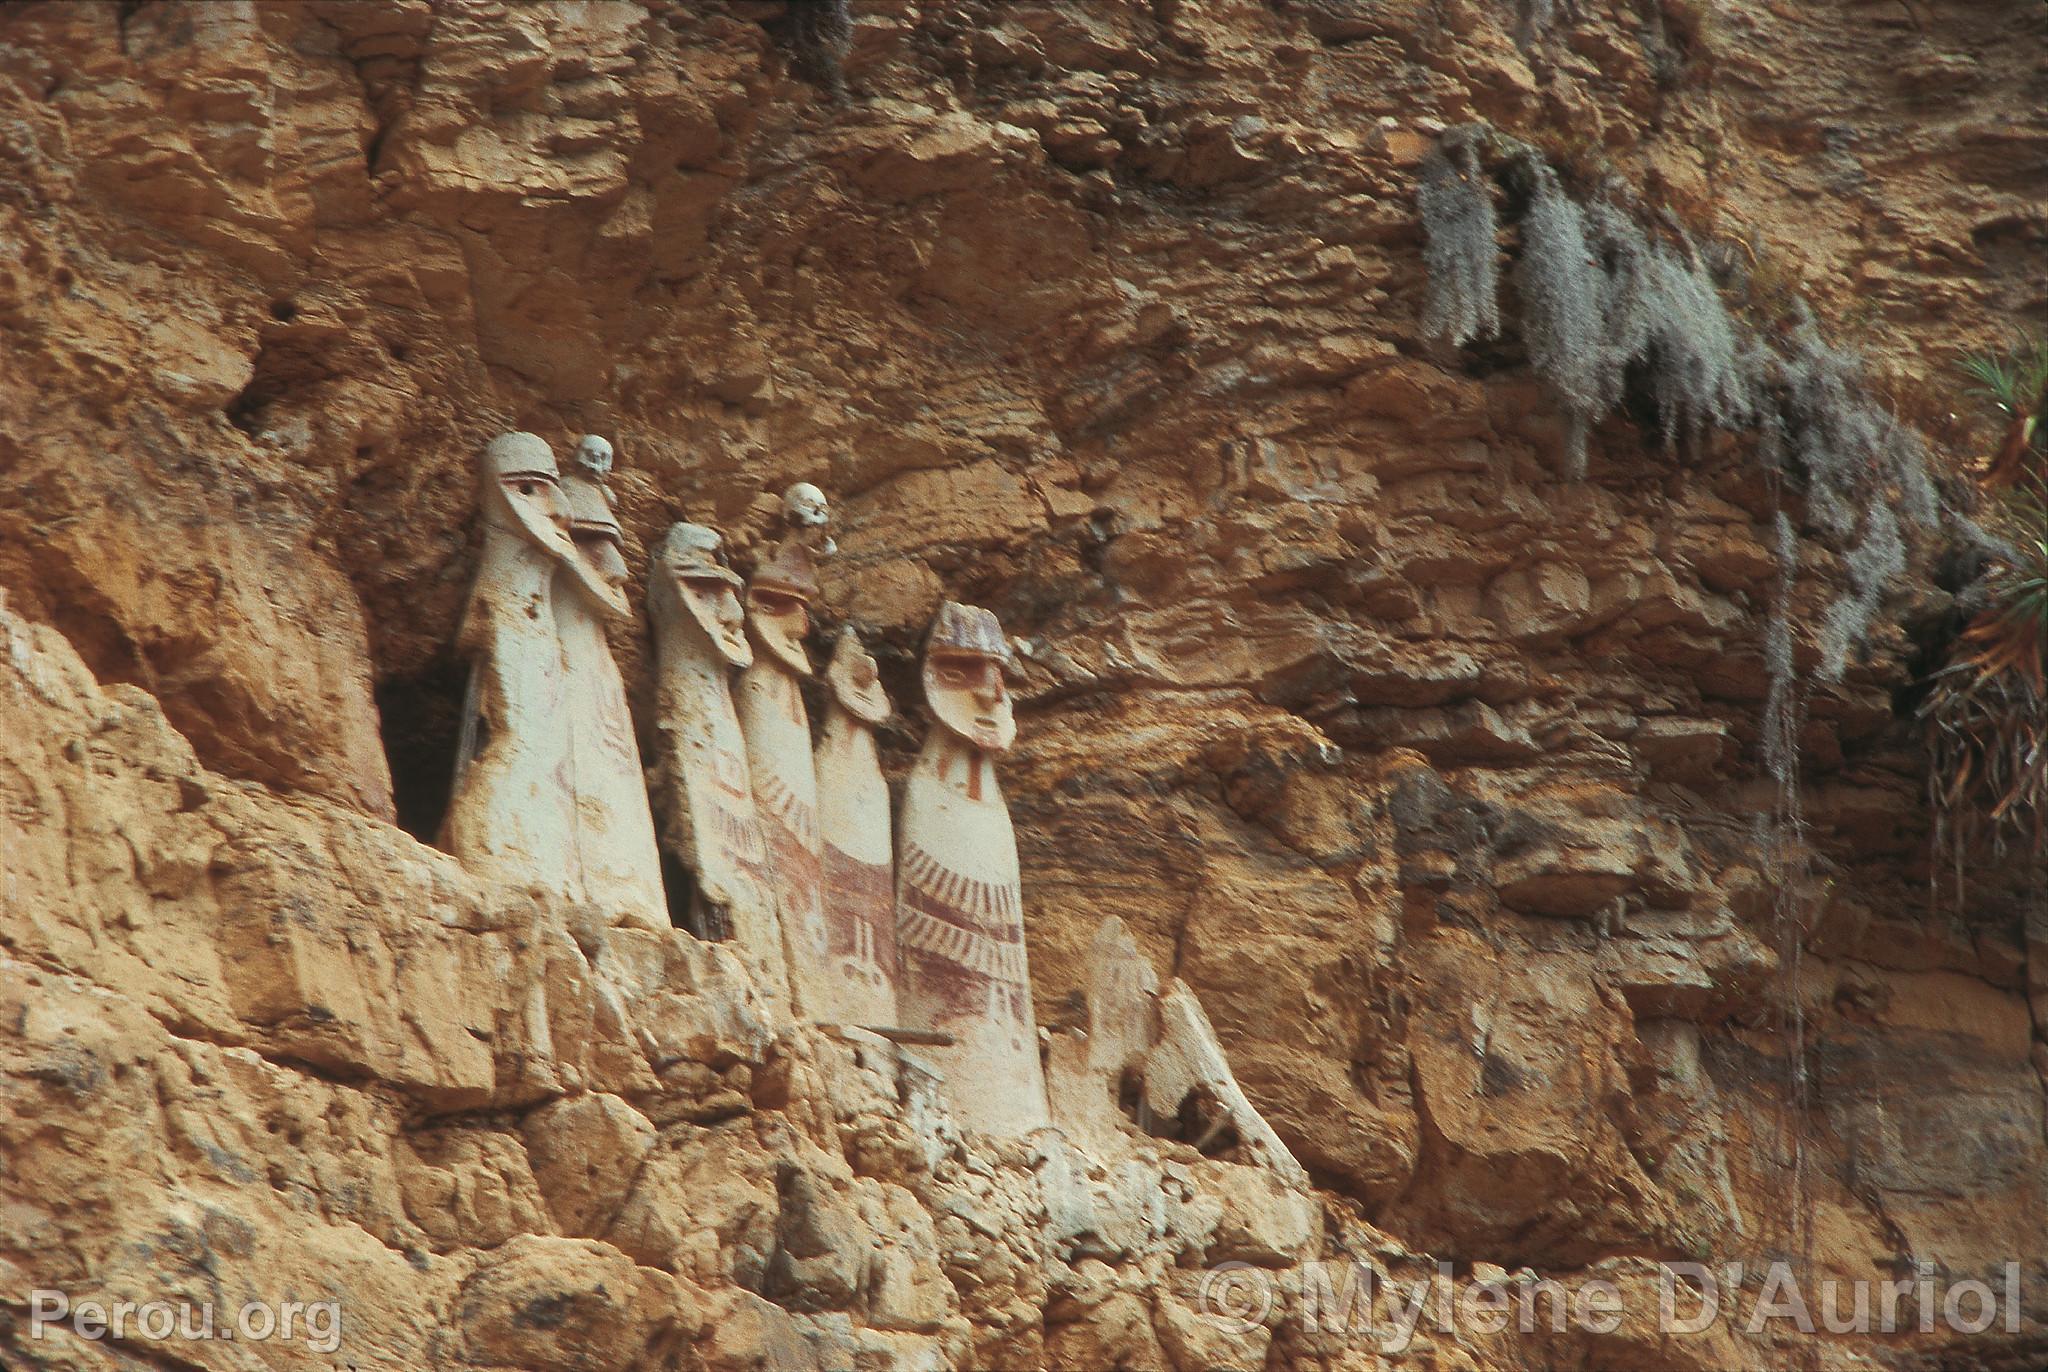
[(1404, 705)]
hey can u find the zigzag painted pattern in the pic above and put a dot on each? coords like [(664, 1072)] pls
[(742, 836), (999, 906), (976, 952), (772, 793)]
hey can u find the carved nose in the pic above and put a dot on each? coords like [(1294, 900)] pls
[(989, 693)]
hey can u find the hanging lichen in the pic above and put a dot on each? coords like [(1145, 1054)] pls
[(1462, 254), (1558, 282), (1609, 309), (1614, 315)]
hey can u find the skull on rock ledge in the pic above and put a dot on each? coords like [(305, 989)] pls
[(805, 506), (594, 455)]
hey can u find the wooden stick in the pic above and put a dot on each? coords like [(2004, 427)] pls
[(932, 1038)]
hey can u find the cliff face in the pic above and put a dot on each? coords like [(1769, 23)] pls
[(1433, 772)]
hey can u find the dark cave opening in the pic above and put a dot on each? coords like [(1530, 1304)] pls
[(680, 886), (688, 910), (422, 724)]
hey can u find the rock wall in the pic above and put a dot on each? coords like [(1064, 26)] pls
[(1431, 771)]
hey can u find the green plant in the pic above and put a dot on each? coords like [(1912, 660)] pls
[(2010, 636), (1987, 708), (2017, 384)]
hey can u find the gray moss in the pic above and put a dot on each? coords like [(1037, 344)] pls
[(1877, 560), (1846, 443), (1559, 283), (1600, 296), (1696, 372), (1863, 472), (1612, 313), (1624, 254), (1781, 698), (1535, 18), (1462, 301)]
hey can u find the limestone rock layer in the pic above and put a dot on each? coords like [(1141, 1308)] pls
[(1429, 770)]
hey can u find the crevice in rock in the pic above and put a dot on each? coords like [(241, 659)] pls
[(245, 410), (421, 721), (819, 34), (123, 13), (679, 884), (384, 49)]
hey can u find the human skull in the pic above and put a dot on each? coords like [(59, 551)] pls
[(594, 455), (805, 506)]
